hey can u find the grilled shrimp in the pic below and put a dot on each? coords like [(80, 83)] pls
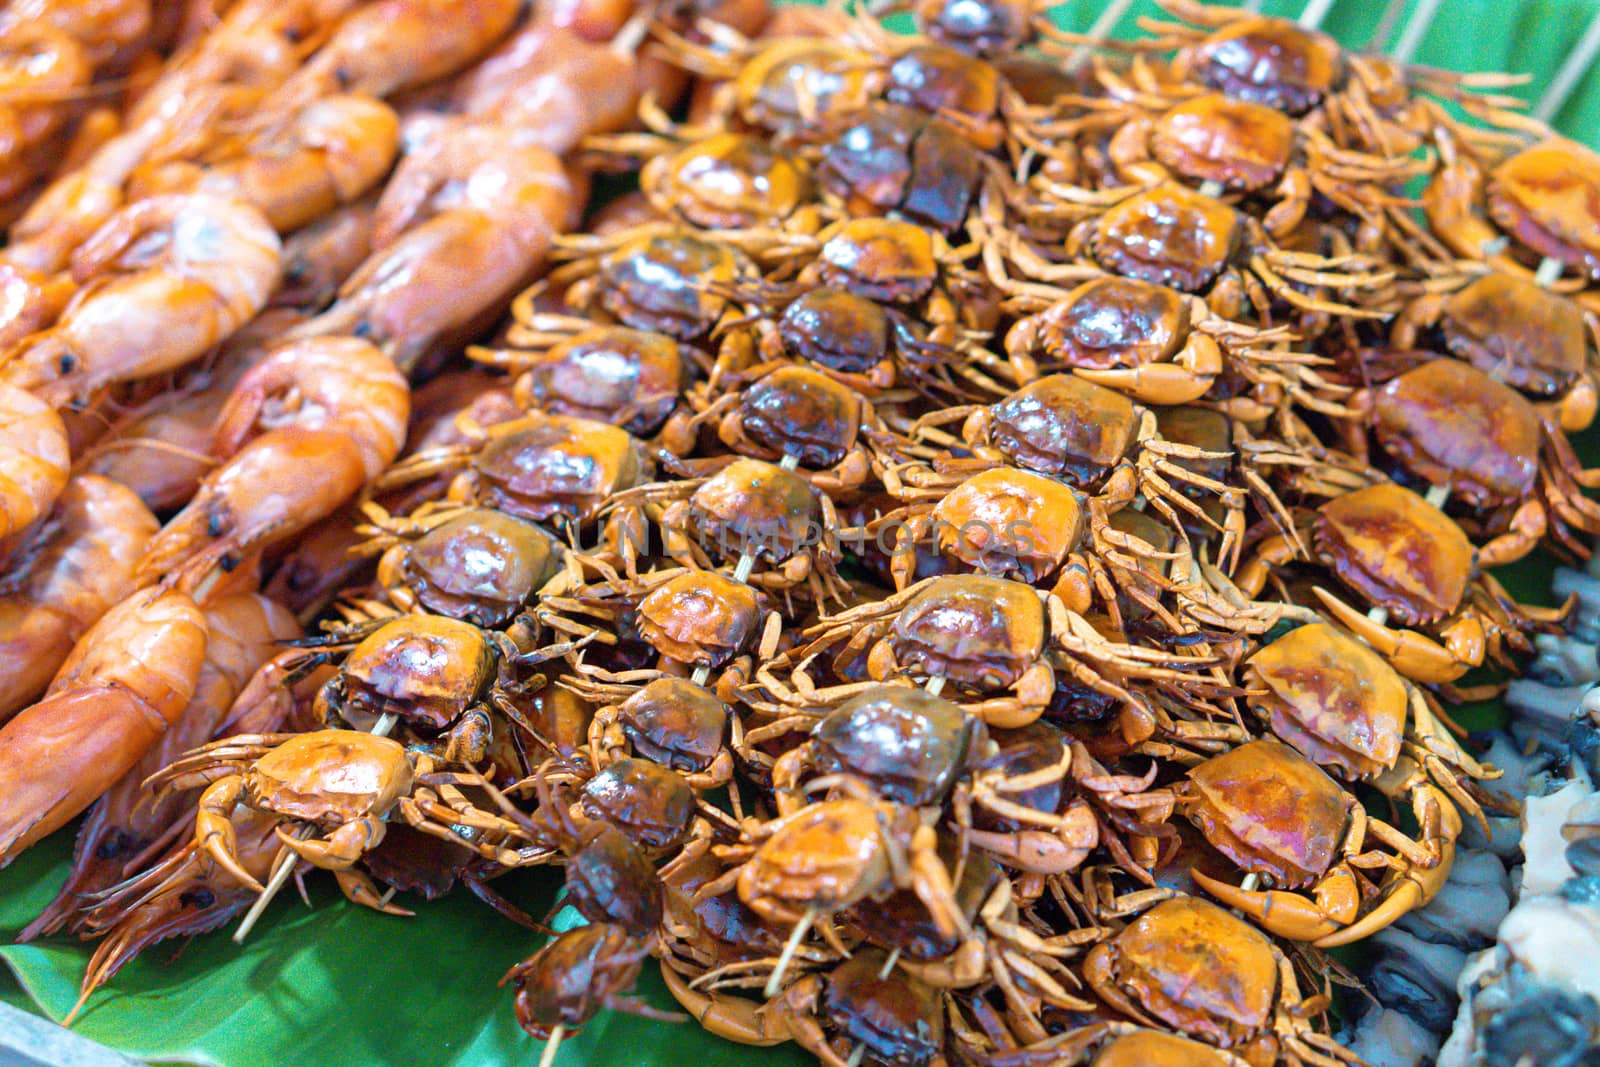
[(462, 224), (392, 45), (333, 408), (166, 279), (124, 683), (33, 458), (318, 258), (42, 71), (74, 566), (326, 155), (126, 826), (111, 32)]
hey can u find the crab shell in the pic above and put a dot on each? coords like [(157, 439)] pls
[(1112, 322), (329, 777), (1267, 61), (700, 618), (1212, 138), (729, 181), (894, 158), (1270, 810), (798, 82), (676, 723), (606, 371), (907, 743), (1009, 521), (1451, 424), (479, 566), (804, 413), (1548, 196), (827, 855), (664, 282), (1331, 697), (1018, 753), (1194, 967), (1524, 335), (1204, 428), (758, 508), (974, 630), (841, 331), (546, 465), (649, 803), (427, 669), (1169, 235), (880, 259), (1396, 550), (1064, 426), (901, 920), (898, 1019), (569, 980), (1151, 1048)]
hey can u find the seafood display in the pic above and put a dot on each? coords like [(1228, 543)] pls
[(971, 560)]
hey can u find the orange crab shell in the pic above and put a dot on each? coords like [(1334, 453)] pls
[(1331, 697), (1112, 322), (756, 507), (1010, 521), (880, 259), (1451, 424), (1235, 142), (1268, 61), (972, 629), (700, 618), (1397, 550), (1151, 1048), (1524, 335), (827, 855), (1548, 196), (1196, 968), (544, 465), (337, 775), (791, 78), (1169, 235), (729, 181), (1270, 810)]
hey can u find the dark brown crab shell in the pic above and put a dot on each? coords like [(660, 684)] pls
[(880, 259), (609, 880), (731, 181), (645, 800), (1169, 235), (908, 744), (610, 374), (1270, 811), (426, 669), (935, 78), (1204, 428), (1519, 332), (1213, 138), (1267, 61), (1064, 426), (664, 283), (1196, 968), (838, 330), (700, 618), (972, 629), (542, 466), (567, 982), (1450, 424), (901, 920), (1332, 698), (676, 723), (892, 158), (1113, 322), (804, 413), (980, 28), (755, 507), (1010, 522), (1397, 551), (897, 1019), (1548, 198), (480, 566), (1016, 753)]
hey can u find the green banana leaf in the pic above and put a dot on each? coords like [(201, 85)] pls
[(337, 984)]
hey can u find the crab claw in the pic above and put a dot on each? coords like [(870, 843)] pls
[(734, 1018), (1413, 655), (1408, 892), (340, 849), (214, 833), (1187, 378), (1290, 915), (359, 889)]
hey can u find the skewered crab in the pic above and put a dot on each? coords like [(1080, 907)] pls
[(329, 789), (1188, 965), (1276, 815), (1409, 560), (656, 278), (672, 721)]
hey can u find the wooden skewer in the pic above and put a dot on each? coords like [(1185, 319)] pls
[(283, 866), (552, 1044), (1416, 30), (1571, 73)]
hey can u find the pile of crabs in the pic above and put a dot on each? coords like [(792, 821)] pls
[(971, 562)]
